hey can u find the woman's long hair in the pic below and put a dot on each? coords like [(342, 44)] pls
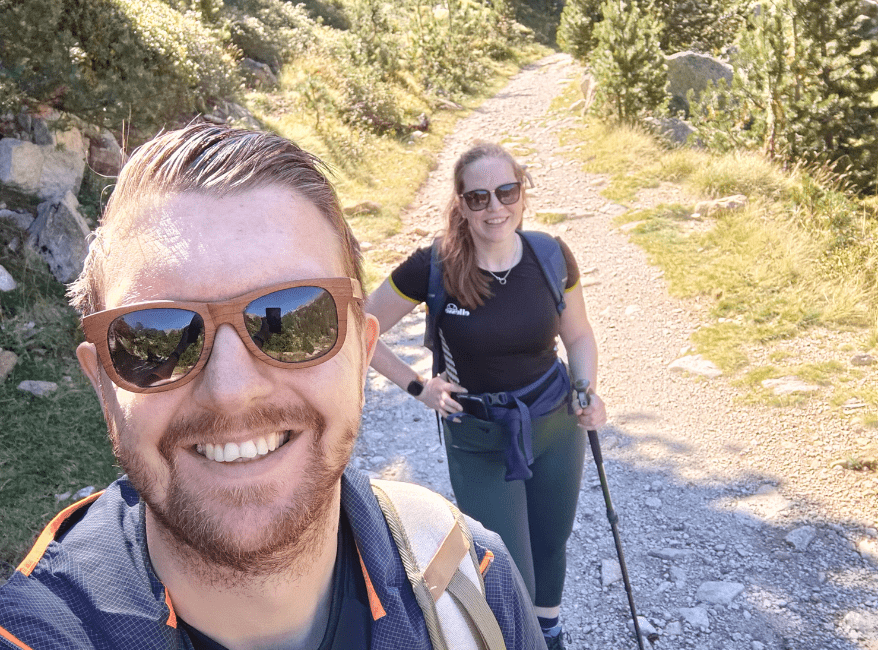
[(460, 270)]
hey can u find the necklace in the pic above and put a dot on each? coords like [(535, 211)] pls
[(502, 278)]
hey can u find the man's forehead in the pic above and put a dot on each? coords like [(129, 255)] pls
[(195, 246)]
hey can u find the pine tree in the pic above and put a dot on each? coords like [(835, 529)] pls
[(628, 62), (576, 29), (701, 25)]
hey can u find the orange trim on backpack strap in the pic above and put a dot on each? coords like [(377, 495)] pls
[(172, 615), (18, 644), (374, 602), (486, 562), (48, 535)]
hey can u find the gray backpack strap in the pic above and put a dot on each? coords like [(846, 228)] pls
[(550, 257), (436, 548), (435, 302)]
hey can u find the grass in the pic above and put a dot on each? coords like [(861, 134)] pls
[(801, 255)]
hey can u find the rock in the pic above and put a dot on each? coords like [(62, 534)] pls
[(696, 617), (610, 572), (44, 171), (674, 628), (646, 628), (789, 386), (63, 496), (631, 225), (692, 71), (696, 365), (673, 129), (258, 73), (38, 388), (8, 359), (7, 282), (767, 503), (868, 549), (801, 537), (59, 235), (653, 503), (864, 623), (84, 492), (719, 593), (862, 359), (104, 153), (718, 206), (589, 87), (577, 106), (364, 207), (670, 554), (21, 219)]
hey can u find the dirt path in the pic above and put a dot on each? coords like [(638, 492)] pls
[(737, 532)]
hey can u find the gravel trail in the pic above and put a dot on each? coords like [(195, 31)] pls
[(738, 532)]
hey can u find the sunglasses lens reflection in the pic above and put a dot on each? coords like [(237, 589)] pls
[(508, 194), (293, 325), (151, 347), (477, 200)]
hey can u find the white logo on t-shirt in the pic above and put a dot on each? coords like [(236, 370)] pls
[(451, 308)]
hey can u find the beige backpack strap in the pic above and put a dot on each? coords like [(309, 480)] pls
[(436, 549)]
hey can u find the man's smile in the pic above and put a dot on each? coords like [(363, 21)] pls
[(231, 452)]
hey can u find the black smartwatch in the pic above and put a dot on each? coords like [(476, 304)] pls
[(415, 387)]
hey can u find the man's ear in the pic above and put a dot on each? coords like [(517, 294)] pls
[(87, 354), (371, 332)]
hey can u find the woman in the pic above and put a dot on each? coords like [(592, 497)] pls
[(512, 434)]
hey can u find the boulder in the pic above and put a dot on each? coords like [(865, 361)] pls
[(104, 153), (44, 170), (673, 129), (22, 219), (693, 71), (8, 360), (589, 87), (258, 73), (59, 234)]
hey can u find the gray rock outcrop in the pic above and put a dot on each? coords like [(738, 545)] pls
[(59, 235), (692, 71), (44, 171)]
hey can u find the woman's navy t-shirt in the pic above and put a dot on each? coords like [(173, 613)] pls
[(508, 342)]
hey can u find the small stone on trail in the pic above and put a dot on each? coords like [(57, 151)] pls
[(801, 537), (38, 388), (868, 549), (696, 365), (646, 628), (719, 593), (628, 227), (789, 386), (610, 572), (653, 503), (696, 617), (862, 360), (674, 628), (670, 553)]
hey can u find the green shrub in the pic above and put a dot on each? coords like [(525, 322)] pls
[(628, 61), (111, 61), (576, 29), (271, 31), (700, 25)]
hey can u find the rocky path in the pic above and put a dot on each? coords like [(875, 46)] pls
[(738, 533)]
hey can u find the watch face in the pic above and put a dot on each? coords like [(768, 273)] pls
[(415, 387)]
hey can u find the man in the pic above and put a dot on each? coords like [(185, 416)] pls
[(228, 346)]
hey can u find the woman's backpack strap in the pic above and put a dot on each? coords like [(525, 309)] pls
[(436, 548), (435, 302), (548, 252)]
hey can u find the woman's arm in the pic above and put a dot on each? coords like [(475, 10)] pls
[(582, 354), (389, 307)]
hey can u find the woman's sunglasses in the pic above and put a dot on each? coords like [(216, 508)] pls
[(156, 346), (478, 200)]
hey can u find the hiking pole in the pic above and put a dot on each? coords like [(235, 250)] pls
[(581, 388)]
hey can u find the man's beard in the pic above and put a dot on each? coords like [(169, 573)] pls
[(201, 538)]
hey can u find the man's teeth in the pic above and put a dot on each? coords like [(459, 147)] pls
[(231, 451)]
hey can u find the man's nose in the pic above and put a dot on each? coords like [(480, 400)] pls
[(233, 379)]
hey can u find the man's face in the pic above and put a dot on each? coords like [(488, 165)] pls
[(246, 515)]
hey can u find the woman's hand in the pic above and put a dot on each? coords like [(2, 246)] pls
[(437, 395), (594, 416)]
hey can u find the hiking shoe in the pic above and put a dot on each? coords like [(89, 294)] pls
[(554, 638)]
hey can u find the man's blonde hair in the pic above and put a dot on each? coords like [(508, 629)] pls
[(217, 161)]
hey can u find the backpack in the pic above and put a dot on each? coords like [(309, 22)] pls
[(436, 548), (551, 260)]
